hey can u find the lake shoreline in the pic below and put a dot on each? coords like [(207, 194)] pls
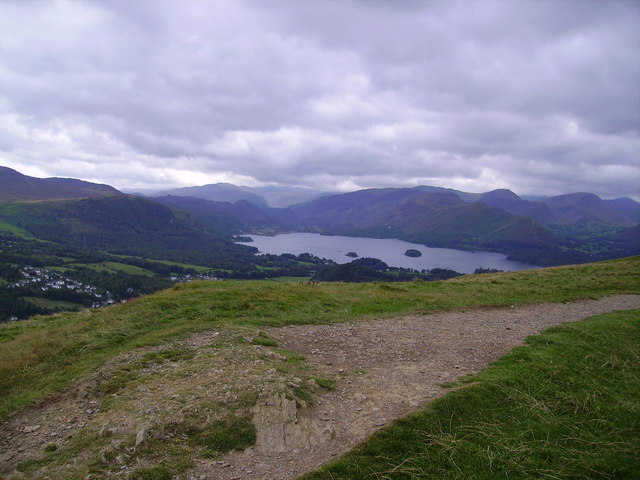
[(390, 251)]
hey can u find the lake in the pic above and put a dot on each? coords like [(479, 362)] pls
[(388, 250)]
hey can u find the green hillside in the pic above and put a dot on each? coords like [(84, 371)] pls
[(117, 351), (122, 224)]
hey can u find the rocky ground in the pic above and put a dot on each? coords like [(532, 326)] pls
[(383, 369)]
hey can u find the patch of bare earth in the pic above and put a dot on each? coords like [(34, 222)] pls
[(384, 369)]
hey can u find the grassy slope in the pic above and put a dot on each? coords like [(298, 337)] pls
[(115, 267), (563, 407), (15, 230), (42, 355), (198, 268), (47, 303)]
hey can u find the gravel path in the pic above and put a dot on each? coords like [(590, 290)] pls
[(387, 369)]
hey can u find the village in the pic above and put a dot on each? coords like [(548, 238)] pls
[(44, 280)]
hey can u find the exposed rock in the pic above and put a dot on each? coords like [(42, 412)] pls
[(141, 436), (278, 427), (5, 457)]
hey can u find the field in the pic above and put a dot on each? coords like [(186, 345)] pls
[(54, 304), (115, 267), (15, 230), (198, 268)]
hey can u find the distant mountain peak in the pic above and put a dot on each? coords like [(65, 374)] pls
[(578, 207), (626, 206), (503, 193), (218, 192), (15, 186)]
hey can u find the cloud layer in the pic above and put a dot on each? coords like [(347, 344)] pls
[(537, 96)]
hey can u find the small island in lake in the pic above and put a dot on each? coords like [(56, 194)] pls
[(412, 252), (241, 238), (352, 254)]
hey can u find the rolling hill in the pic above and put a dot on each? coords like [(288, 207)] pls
[(228, 217), (123, 224), (566, 210), (283, 196), (630, 208), (218, 192), (14, 186), (575, 208), (272, 196)]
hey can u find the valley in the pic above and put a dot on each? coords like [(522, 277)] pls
[(171, 356), (125, 245), (319, 240)]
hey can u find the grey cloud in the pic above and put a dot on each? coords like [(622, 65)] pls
[(329, 94)]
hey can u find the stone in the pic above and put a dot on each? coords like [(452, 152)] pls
[(360, 397), (278, 427), (5, 457), (141, 436)]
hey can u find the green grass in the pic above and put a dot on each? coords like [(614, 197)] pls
[(326, 383), (15, 230), (231, 433), (115, 267), (264, 340), (53, 304), (153, 473), (564, 407), (288, 279), (198, 268), (45, 354), (56, 268)]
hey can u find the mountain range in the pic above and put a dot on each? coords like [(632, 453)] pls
[(561, 229), (263, 197)]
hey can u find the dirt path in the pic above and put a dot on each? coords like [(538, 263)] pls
[(386, 369)]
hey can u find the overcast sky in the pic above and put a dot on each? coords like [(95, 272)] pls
[(542, 97)]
